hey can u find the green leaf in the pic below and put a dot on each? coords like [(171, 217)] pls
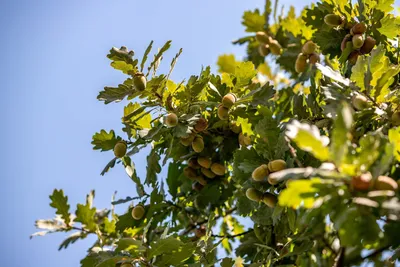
[(174, 178), (146, 53), (153, 167), (104, 141), (227, 63), (71, 239), (358, 73), (394, 138), (60, 203), (390, 26), (300, 193), (341, 133), (253, 21), (122, 59), (162, 246), (85, 213), (117, 94), (307, 137), (244, 72), (134, 247), (130, 170), (158, 56), (227, 262)]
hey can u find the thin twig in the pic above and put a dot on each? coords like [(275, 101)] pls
[(233, 236), (293, 152)]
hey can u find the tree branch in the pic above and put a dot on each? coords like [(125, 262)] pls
[(233, 236)]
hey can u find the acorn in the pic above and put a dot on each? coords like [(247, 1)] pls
[(196, 186), (235, 128), (353, 57), (260, 173), (207, 173), (333, 20), (358, 41), (314, 58), (120, 149), (187, 141), (201, 125), (198, 144), (223, 112), (359, 28), (190, 173), (138, 212), (193, 163), (360, 102), (139, 81), (275, 47), (171, 120), (204, 162), (346, 39), (269, 199), (276, 165), (396, 118), (262, 37), (263, 50), (308, 48), (228, 100), (301, 63), (368, 45), (385, 183), (218, 169), (361, 182), (244, 140), (201, 180), (254, 195)]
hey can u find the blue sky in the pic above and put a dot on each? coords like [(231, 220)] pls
[(53, 65)]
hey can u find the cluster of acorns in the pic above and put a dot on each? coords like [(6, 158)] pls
[(260, 174), (267, 45), (227, 102), (194, 139), (202, 168), (307, 56), (364, 182), (361, 44)]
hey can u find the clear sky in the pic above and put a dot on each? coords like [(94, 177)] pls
[(53, 65)]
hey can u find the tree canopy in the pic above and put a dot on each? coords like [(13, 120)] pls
[(301, 139)]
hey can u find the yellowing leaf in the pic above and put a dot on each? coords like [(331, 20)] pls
[(246, 126), (394, 138), (226, 63), (299, 192)]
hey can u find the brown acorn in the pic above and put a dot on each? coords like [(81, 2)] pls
[(139, 81), (276, 165), (171, 120), (218, 169), (353, 57), (260, 173), (275, 47), (263, 50), (194, 164), (262, 37), (358, 41), (359, 28), (314, 58), (189, 172), (333, 20), (198, 144), (204, 162), (385, 183), (368, 45), (269, 199), (254, 195), (201, 125), (229, 100), (120, 149), (301, 63), (223, 112), (201, 180), (308, 48), (361, 182), (207, 173)]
